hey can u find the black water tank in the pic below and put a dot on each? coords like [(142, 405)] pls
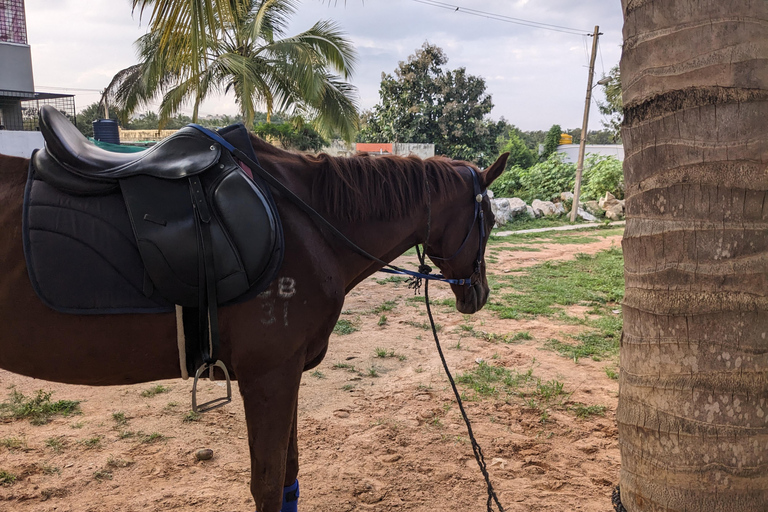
[(106, 130)]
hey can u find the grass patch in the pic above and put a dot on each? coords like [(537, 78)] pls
[(102, 474), (611, 372), (487, 380), (384, 353), (424, 325), (56, 444), (344, 327), (38, 409), (318, 374), (91, 443), (386, 306), (155, 390), (119, 419), (590, 280), (382, 321), (13, 443), (396, 280), (487, 336), (585, 411), (154, 437), (521, 335), (191, 417), (7, 478)]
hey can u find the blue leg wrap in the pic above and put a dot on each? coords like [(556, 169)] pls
[(291, 498)]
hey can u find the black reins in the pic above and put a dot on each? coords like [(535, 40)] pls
[(423, 273)]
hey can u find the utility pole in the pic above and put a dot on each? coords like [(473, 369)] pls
[(582, 143)]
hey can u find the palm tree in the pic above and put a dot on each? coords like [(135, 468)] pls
[(693, 401), (196, 47)]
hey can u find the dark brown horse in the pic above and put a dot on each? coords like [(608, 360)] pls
[(267, 342)]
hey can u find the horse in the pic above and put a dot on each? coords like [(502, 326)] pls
[(384, 204)]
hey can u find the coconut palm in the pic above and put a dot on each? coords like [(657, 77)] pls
[(195, 48), (693, 402)]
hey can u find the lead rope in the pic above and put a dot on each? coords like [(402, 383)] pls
[(475, 446)]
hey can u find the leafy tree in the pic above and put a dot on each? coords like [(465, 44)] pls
[(519, 154), (613, 108), (602, 173), (544, 180), (195, 48), (551, 141), (290, 136), (425, 103)]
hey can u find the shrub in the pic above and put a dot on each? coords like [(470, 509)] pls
[(508, 184), (546, 180), (602, 174)]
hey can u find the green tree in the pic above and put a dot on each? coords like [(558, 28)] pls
[(290, 136), (519, 154), (613, 108), (195, 48), (551, 141), (693, 407), (425, 103)]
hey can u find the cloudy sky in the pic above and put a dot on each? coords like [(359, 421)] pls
[(536, 77)]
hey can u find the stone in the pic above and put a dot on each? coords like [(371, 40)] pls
[(506, 209), (615, 212), (532, 213), (559, 209), (204, 454), (593, 208), (547, 208), (585, 215), (566, 196), (607, 201)]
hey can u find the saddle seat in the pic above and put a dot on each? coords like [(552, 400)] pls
[(74, 164)]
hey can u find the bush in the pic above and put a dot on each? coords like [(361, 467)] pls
[(508, 184), (546, 180), (602, 174), (305, 138)]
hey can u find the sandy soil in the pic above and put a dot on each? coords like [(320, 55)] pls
[(385, 435)]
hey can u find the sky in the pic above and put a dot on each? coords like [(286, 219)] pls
[(535, 77)]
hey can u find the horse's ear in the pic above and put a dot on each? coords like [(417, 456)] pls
[(494, 171)]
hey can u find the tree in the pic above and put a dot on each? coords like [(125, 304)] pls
[(613, 108), (519, 154), (195, 48), (425, 103), (693, 403), (551, 141)]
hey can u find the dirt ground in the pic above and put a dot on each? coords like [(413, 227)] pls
[(375, 433)]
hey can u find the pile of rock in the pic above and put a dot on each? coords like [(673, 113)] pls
[(507, 209)]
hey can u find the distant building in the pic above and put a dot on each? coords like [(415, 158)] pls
[(19, 103), (571, 151)]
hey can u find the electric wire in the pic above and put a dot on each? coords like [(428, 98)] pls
[(502, 17)]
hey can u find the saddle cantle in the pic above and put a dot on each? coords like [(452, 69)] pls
[(207, 233)]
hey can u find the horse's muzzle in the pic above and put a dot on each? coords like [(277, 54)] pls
[(474, 299)]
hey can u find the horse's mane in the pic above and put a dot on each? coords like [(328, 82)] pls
[(381, 187)]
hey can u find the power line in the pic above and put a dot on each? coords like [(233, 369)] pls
[(504, 18)]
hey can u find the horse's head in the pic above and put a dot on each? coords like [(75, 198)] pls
[(460, 233)]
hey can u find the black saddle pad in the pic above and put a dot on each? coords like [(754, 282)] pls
[(81, 253)]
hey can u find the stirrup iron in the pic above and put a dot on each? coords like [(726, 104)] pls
[(216, 402)]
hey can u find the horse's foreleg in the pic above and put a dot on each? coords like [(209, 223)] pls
[(292, 461), (270, 408)]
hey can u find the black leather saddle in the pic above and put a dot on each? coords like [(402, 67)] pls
[(208, 233)]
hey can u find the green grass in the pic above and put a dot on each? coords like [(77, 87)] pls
[(599, 342), (102, 474), (397, 280), (538, 290), (191, 417), (318, 374), (344, 327), (611, 372), (585, 411), (382, 321), (384, 353), (13, 443), (521, 335), (155, 390), (91, 443), (7, 478), (487, 380), (154, 437), (38, 409), (386, 306), (56, 444), (424, 325), (119, 419)]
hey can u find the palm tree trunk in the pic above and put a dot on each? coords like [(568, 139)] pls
[(693, 402)]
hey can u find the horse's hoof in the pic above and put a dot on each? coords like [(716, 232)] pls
[(291, 498)]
